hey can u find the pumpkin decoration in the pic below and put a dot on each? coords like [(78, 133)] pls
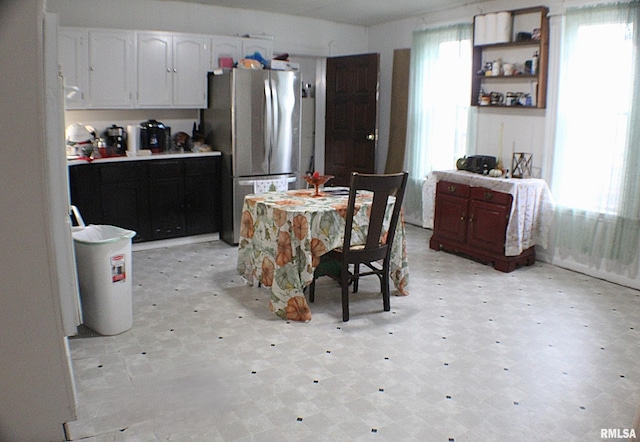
[(297, 309), (246, 225), (284, 253), (300, 226), (268, 268)]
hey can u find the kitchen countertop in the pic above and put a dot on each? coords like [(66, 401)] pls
[(155, 156)]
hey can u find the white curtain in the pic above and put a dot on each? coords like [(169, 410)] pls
[(596, 174), (439, 103)]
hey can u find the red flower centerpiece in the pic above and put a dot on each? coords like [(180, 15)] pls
[(317, 180)]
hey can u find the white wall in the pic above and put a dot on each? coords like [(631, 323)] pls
[(35, 382)]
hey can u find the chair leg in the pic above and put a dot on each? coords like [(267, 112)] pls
[(386, 302), (356, 274), (384, 287), (312, 290), (345, 301)]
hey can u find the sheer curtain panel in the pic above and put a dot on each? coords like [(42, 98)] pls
[(596, 163), (439, 107)]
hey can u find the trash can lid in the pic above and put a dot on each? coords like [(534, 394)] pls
[(101, 234)]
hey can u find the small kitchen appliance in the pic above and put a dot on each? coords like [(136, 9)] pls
[(154, 136), (116, 140)]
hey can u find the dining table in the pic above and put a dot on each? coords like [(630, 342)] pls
[(283, 236)]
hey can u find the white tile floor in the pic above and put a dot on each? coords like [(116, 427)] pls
[(472, 354)]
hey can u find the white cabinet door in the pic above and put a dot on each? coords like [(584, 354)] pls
[(110, 69), (252, 45), (225, 47), (154, 74), (72, 60), (190, 65)]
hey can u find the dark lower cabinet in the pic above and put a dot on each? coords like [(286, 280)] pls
[(123, 197), (473, 221), (166, 197), (159, 199), (203, 198)]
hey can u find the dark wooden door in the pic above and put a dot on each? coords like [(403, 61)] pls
[(351, 116)]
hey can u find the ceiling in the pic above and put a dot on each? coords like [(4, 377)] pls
[(356, 12)]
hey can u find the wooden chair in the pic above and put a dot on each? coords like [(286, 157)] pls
[(376, 252)]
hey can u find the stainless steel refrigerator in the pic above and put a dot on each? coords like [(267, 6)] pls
[(253, 118)]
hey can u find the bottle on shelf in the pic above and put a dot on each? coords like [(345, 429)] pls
[(534, 64)]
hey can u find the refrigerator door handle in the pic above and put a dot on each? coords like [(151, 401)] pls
[(268, 126), (291, 179), (275, 120)]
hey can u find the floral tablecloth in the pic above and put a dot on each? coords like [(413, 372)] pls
[(531, 211), (284, 234)]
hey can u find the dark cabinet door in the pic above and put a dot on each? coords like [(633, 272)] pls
[(488, 218), (451, 211), (166, 199), (84, 190), (123, 197), (451, 221), (124, 205), (202, 196)]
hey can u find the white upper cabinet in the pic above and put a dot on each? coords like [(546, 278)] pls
[(73, 62), (111, 67), (154, 69), (120, 69), (190, 66), (171, 70), (225, 47)]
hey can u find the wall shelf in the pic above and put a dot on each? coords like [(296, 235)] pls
[(515, 52)]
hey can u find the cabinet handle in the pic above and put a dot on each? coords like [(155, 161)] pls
[(452, 189), (471, 219), (175, 70), (488, 195), (168, 69)]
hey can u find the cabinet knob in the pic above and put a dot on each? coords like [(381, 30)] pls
[(488, 195), (168, 69), (452, 189), (371, 137)]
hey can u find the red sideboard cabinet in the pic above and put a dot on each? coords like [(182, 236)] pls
[(474, 218)]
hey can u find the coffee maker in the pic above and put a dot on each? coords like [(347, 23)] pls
[(155, 136), (116, 140)]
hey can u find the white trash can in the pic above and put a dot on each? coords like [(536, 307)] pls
[(103, 257)]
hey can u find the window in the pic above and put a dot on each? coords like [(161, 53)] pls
[(596, 161), (439, 91)]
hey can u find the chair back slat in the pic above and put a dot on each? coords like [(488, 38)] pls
[(383, 188)]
